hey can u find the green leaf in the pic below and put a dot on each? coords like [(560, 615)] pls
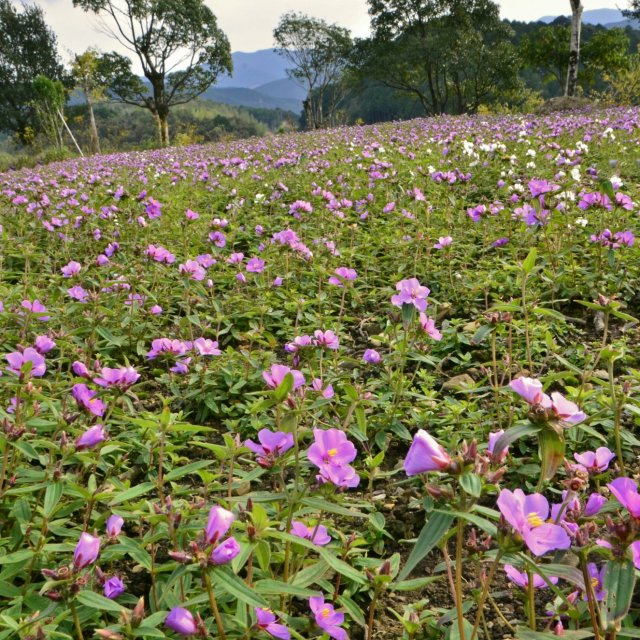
[(471, 484), (618, 584), (231, 583), (341, 566), (276, 587), (187, 469), (52, 496), (530, 261), (354, 611), (414, 584), (283, 389), (17, 556), (515, 433), (481, 334), (629, 633), (431, 534), (478, 521), (324, 505), (311, 574), (551, 449), (98, 602), (133, 492)]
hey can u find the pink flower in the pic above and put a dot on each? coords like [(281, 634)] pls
[(155, 310), (86, 551), (429, 327), (266, 620), (411, 292), (114, 525), (218, 524), (425, 454), (192, 269), (522, 579), (315, 533), (44, 344), (625, 491), (71, 269), (225, 552), (181, 621), (327, 392), (206, 347), (235, 258), (191, 215), (528, 515), (531, 390), (91, 437), (595, 461), (566, 410), (371, 356), (343, 274), (18, 360), (122, 377), (497, 456), (276, 374), (78, 293), (331, 452), (36, 307), (327, 339), (444, 241), (327, 618), (255, 265), (272, 445), (85, 397), (113, 588)]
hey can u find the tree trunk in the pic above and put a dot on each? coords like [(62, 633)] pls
[(93, 129), (574, 49), (164, 129)]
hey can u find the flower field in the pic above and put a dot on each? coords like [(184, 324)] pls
[(372, 382)]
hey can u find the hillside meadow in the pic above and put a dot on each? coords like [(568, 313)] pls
[(370, 382)]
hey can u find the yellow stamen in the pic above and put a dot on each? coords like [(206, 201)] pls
[(326, 612), (332, 452), (534, 519)]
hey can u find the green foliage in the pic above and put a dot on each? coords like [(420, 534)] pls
[(28, 48)]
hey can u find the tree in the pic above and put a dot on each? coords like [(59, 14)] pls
[(452, 55), (27, 50), (86, 73), (633, 11), (48, 102), (179, 45), (574, 47), (318, 52)]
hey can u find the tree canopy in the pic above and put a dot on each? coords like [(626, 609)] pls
[(28, 49), (179, 45)]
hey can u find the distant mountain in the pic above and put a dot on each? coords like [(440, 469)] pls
[(244, 97), (283, 88), (609, 18), (250, 70)]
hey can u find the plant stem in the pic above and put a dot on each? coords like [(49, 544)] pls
[(76, 620), (484, 594), (459, 609), (531, 601), (213, 604), (617, 410), (372, 612), (590, 597)]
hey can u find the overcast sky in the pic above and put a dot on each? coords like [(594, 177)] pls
[(249, 23)]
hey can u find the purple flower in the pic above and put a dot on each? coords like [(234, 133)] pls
[(626, 492), (595, 502), (411, 292), (71, 269), (91, 437), (36, 307), (527, 515), (266, 620), (497, 456), (218, 524), (429, 327), (566, 410), (597, 577), (500, 242), (44, 344), (635, 553), (113, 588), (181, 621), (315, 533), (327, 339), (225, 552), (326, 392), (235, 258), (595, 461), (277, 282), (114, 525), (522, 579), (218, 238), (425, 454), (327, 618), (331, 447), (276, 374), (255, 265), (298, 343), (371, 356), (443, 242), (155, 310), (531, 390), (160, 254), (272, 445), (192, 269), (86, 551), (343, 274), (538, 187), (85, 397), (206, 347), (191, 215), (300, 205), (80, 369), (122, 377), (78, 293), (17, 360)]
